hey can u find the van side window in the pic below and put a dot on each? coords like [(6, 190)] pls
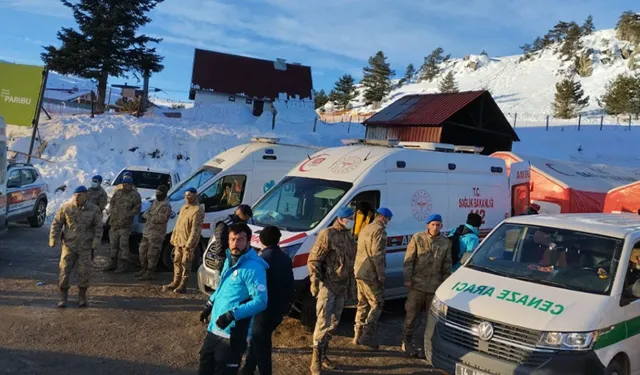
[(631, 291), (13, 181), (365, 205), (225, 193), (27, 177)]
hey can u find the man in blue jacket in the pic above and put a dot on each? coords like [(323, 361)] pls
[(466, 238), (241, 294)]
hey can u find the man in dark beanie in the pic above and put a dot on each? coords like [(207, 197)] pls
[(465, 239), (280, 294)]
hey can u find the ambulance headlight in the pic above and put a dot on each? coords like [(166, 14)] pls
[(567, 340), (438, 308)]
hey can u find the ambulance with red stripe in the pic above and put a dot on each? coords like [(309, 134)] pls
[(414, 180)]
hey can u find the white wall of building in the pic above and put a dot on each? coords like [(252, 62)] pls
[(212, 98)]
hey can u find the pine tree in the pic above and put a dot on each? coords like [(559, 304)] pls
[(572, 43), (409, 73), (559, 31), (105, 42), (588, 27), (431, 67), (622, 96), (377, 78), (448, 84), (320, 98), (484, 53), (526, 48), (628, 27), (344, 91), (569, 99)]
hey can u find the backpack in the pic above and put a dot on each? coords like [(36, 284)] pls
[(455, 244)]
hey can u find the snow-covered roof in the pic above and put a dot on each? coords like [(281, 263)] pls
[(65, 95)]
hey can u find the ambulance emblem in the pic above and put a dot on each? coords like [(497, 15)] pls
[(421, 205), (346, 164)]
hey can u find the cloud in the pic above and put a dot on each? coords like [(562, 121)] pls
[(51, 8)]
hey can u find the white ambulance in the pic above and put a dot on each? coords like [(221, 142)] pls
[(414, 180), (556, 294), (3, 176), (237, 176)]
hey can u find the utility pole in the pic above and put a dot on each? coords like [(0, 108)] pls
[(145, 91)]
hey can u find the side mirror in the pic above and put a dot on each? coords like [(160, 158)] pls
[(106, 182)]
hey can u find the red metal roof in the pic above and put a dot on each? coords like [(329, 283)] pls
[(254, 78), (423, 109)]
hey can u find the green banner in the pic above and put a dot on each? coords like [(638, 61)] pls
[(19, 92)]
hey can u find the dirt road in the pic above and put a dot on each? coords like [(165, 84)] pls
[(134, 328)]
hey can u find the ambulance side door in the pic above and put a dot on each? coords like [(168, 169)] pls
[(629, 314)]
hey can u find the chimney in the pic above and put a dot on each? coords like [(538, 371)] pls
[(280, 64)]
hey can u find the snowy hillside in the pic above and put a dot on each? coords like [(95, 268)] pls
[(528, 87)]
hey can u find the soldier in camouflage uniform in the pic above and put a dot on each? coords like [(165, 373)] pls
[(185, 239), (427, 263), (96, 193), (330, 264), (155, 230), (370, 268), (124, 206), (82, 224)]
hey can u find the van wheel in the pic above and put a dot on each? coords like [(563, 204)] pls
[(614, 368), (40, 215), (308, 311)]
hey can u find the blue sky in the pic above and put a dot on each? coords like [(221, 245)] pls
[(334, 37)]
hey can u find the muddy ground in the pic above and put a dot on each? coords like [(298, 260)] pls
[(134, 328)]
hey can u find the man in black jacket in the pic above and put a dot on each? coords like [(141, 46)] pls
[(280, 299), (242, 215)]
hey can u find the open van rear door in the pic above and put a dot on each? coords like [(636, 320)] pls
[(519, 185), (3, 175)]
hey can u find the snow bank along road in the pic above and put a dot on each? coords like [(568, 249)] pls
[(134, 328)]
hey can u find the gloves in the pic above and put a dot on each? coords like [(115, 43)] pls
[(206, 312), (225, 319), (315, 289)]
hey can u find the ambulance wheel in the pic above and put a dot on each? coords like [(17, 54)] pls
[(308, 311), (615, 368)]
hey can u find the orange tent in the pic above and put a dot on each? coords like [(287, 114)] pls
[(571, 187), (623, 199)]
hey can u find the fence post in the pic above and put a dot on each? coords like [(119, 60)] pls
[(579, 121), (629, 122), (315, 121), (547, 127), (515, 120), (92, 103), (601, 121)]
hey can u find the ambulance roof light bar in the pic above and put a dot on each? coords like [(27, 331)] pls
[(429, 146), (265, 140), (371, 142), (469, 149)]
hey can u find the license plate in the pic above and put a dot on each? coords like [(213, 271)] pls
[(464, 370)]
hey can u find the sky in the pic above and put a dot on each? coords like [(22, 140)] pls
[(334, 37)]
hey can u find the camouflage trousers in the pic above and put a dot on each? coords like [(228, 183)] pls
[(329, 308), (370, 303), (70, 259), (182, 260), (417, 302), (149, 252), (119, 241)]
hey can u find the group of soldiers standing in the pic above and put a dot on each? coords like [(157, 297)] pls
[(78, 226), (336, 260)]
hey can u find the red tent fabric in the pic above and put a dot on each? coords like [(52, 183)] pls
[(574, 187), (623, 199)]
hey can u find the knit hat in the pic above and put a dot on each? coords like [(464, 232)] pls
[(385, 212), (191, 190), (474, 220), (80, 189), (127, 180), (345, 212), (434, 217)]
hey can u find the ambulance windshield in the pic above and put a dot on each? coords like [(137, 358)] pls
[(298, 204), (196, 180), (561, 258)]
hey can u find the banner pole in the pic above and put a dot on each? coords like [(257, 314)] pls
[(36, 116)]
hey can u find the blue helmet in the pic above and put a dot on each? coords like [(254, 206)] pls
[(97, 178), (385, 212), (80, 189), (434, 217), (345, 212)]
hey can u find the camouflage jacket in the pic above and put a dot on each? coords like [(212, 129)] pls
[(332, 258), (371, 256), (186, 233), (157, 217), (124, 206), (427, 262), (98, 197), (82, 227)]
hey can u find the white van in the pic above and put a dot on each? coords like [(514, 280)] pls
[(413, 180), (554, 294), (245, 172), (3, 176)]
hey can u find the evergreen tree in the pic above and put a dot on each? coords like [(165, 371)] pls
[(448, 84), (344, 91), (377, 78), (628, 27), (588, 27), (560, 30), (105, 42), (484, 53), (572, 43), (622, 96), (569, 99), (320, 98), (431, 67), (526, 48), (409, 73)]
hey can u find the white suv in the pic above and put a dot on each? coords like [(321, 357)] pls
[(26, 196)]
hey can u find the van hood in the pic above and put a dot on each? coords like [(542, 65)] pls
[(522, 303), (144, 193), (287, 239)]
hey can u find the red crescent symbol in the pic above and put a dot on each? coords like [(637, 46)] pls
[(315, 158)]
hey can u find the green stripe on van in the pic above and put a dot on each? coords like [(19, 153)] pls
[(619, 332)]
